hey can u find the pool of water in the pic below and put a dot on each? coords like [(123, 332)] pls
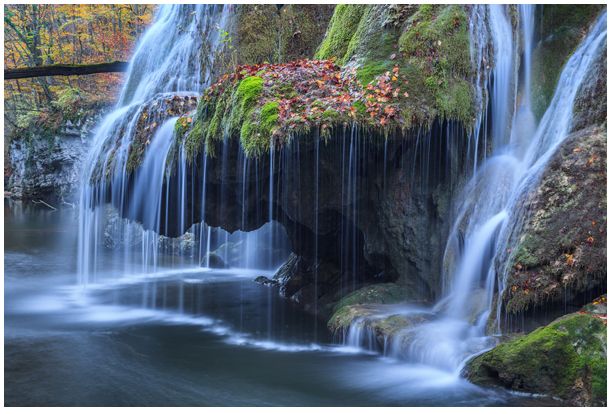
[(183, 336)]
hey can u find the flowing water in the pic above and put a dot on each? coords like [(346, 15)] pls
[(103, 346), (147, 325), (490, 207)]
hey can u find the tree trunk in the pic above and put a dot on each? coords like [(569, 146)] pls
[(65, 70)]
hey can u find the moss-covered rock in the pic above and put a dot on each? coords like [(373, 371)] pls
[(566, 359), (268, 105), (341, 31), (357, 305), (149, 117), (436, 43), (561, 249), (591, 103), (562, 26), (429, 43), (268, 33), (383, 293)]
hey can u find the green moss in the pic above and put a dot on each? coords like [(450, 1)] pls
[(379, 293), (233, 111), (550, 360), (256, 33), (455, 101), (264, 33), (244, 99), (269, 115), (256, 132), (342, 28), (370, 70), (436, 43), (390, 325), (360, 108), (525, 253)]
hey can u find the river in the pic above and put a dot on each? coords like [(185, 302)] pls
[(235, 342)]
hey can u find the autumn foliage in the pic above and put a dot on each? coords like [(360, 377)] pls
[(47, 34), (319, 93)]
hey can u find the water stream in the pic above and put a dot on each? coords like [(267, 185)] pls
[(490, 205), (206, 336)]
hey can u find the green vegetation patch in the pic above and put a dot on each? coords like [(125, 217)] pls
[(436, 45), (341, 31), (561, 247)]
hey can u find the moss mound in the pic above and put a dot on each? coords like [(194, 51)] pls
[(341, 32), (352, 306), (430, 45), (267, 105), (566, 359)]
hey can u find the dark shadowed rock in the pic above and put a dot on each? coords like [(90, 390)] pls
[(266, 281)]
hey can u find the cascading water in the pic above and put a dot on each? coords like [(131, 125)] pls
[(513, 154), (171, 66), (489, 207)]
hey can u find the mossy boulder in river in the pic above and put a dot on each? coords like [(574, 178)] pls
[(351, 306), (377, 312), (566, 359)]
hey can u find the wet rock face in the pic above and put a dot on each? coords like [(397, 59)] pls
[(560, 258), (566, 359), (380, 220), (375, 214), (591, 103), (48, 169)]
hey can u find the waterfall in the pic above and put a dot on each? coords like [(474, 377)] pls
[(170, 68), (489, 204), (167, 73), (489, 207), (503, 72)]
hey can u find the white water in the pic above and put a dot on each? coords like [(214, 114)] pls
[(517, 153), (174, 58), (487, 208)]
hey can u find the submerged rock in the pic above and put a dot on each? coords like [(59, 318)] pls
[(214, 261), (566, 359), (266, 281)]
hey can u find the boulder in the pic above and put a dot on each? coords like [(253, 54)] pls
[(566, 359), (213, 261), (559, 258), (266, 281)]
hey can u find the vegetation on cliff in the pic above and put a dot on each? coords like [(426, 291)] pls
[(563, 26), (268, 33), (429, 44), (415, 70), (269, 104)]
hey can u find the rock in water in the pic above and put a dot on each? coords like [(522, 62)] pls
[(566, 359), (213, 261), (266, 281)]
